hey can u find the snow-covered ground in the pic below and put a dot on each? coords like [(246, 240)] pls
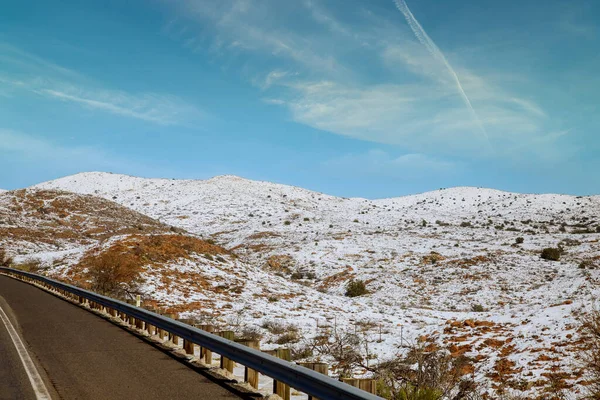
[(444, 263)]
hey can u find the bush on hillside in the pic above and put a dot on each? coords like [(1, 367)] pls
[(5, 260), (591, 356), (477, 308), (427, 372), (519, 240), (113, 274), (355, 288), (551, 254)]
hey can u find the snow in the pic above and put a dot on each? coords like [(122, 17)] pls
[(533, 304)]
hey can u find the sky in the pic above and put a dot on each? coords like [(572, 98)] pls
[(368, 98)]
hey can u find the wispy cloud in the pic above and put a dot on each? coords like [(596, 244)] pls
[(237, 26), (26, 61), (408, 93), (44, 78)]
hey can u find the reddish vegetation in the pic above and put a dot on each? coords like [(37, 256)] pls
[(128, 256), (55, 217)]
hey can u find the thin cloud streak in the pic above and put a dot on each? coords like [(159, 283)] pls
[(424, 38), (52, 81), (150, 107)]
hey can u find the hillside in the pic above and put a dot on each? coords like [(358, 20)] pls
[(66, 235), (443, 264)]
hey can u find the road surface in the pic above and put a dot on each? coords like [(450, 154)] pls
[(78, 355)]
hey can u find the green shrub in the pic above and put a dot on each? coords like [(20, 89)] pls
[(465, 224), (551, 254), (287, 223), (477, 308), (519, 240), (355, 288)]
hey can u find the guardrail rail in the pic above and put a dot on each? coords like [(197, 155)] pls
[(284, 373)]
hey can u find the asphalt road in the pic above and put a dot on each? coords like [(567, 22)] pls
[(81, 356), (14, 383)]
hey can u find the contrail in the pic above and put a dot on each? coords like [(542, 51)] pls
[(437, 53)]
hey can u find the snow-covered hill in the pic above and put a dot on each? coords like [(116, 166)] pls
[(430, 261)]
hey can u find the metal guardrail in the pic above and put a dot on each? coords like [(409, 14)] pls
[(300, 378)]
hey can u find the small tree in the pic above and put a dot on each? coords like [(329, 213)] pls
[(355, 288), (113, 274)]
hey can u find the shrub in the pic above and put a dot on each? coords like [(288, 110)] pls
[(427, 372), (465, 224), (274, 327), (355, 288), (587, 264), (598, 229), (286, 222), (477, 308), (551, 254), (5, 260), (519, 240), (251, 333), (291, 336), (33, 266), (423, 223), (113, 274), (591, 356), (297, 275)]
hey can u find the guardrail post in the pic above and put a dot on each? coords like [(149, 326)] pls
[(151, 329), (322, 368), (226, 363), (161, 333), (368, 385), (173, 338), (251, 376), (204, 351), (188, 346), (280, 388)]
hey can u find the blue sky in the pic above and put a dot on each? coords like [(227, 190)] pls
[(355, 98)]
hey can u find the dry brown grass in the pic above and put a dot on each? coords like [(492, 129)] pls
[(116, 270), (55, 217)]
